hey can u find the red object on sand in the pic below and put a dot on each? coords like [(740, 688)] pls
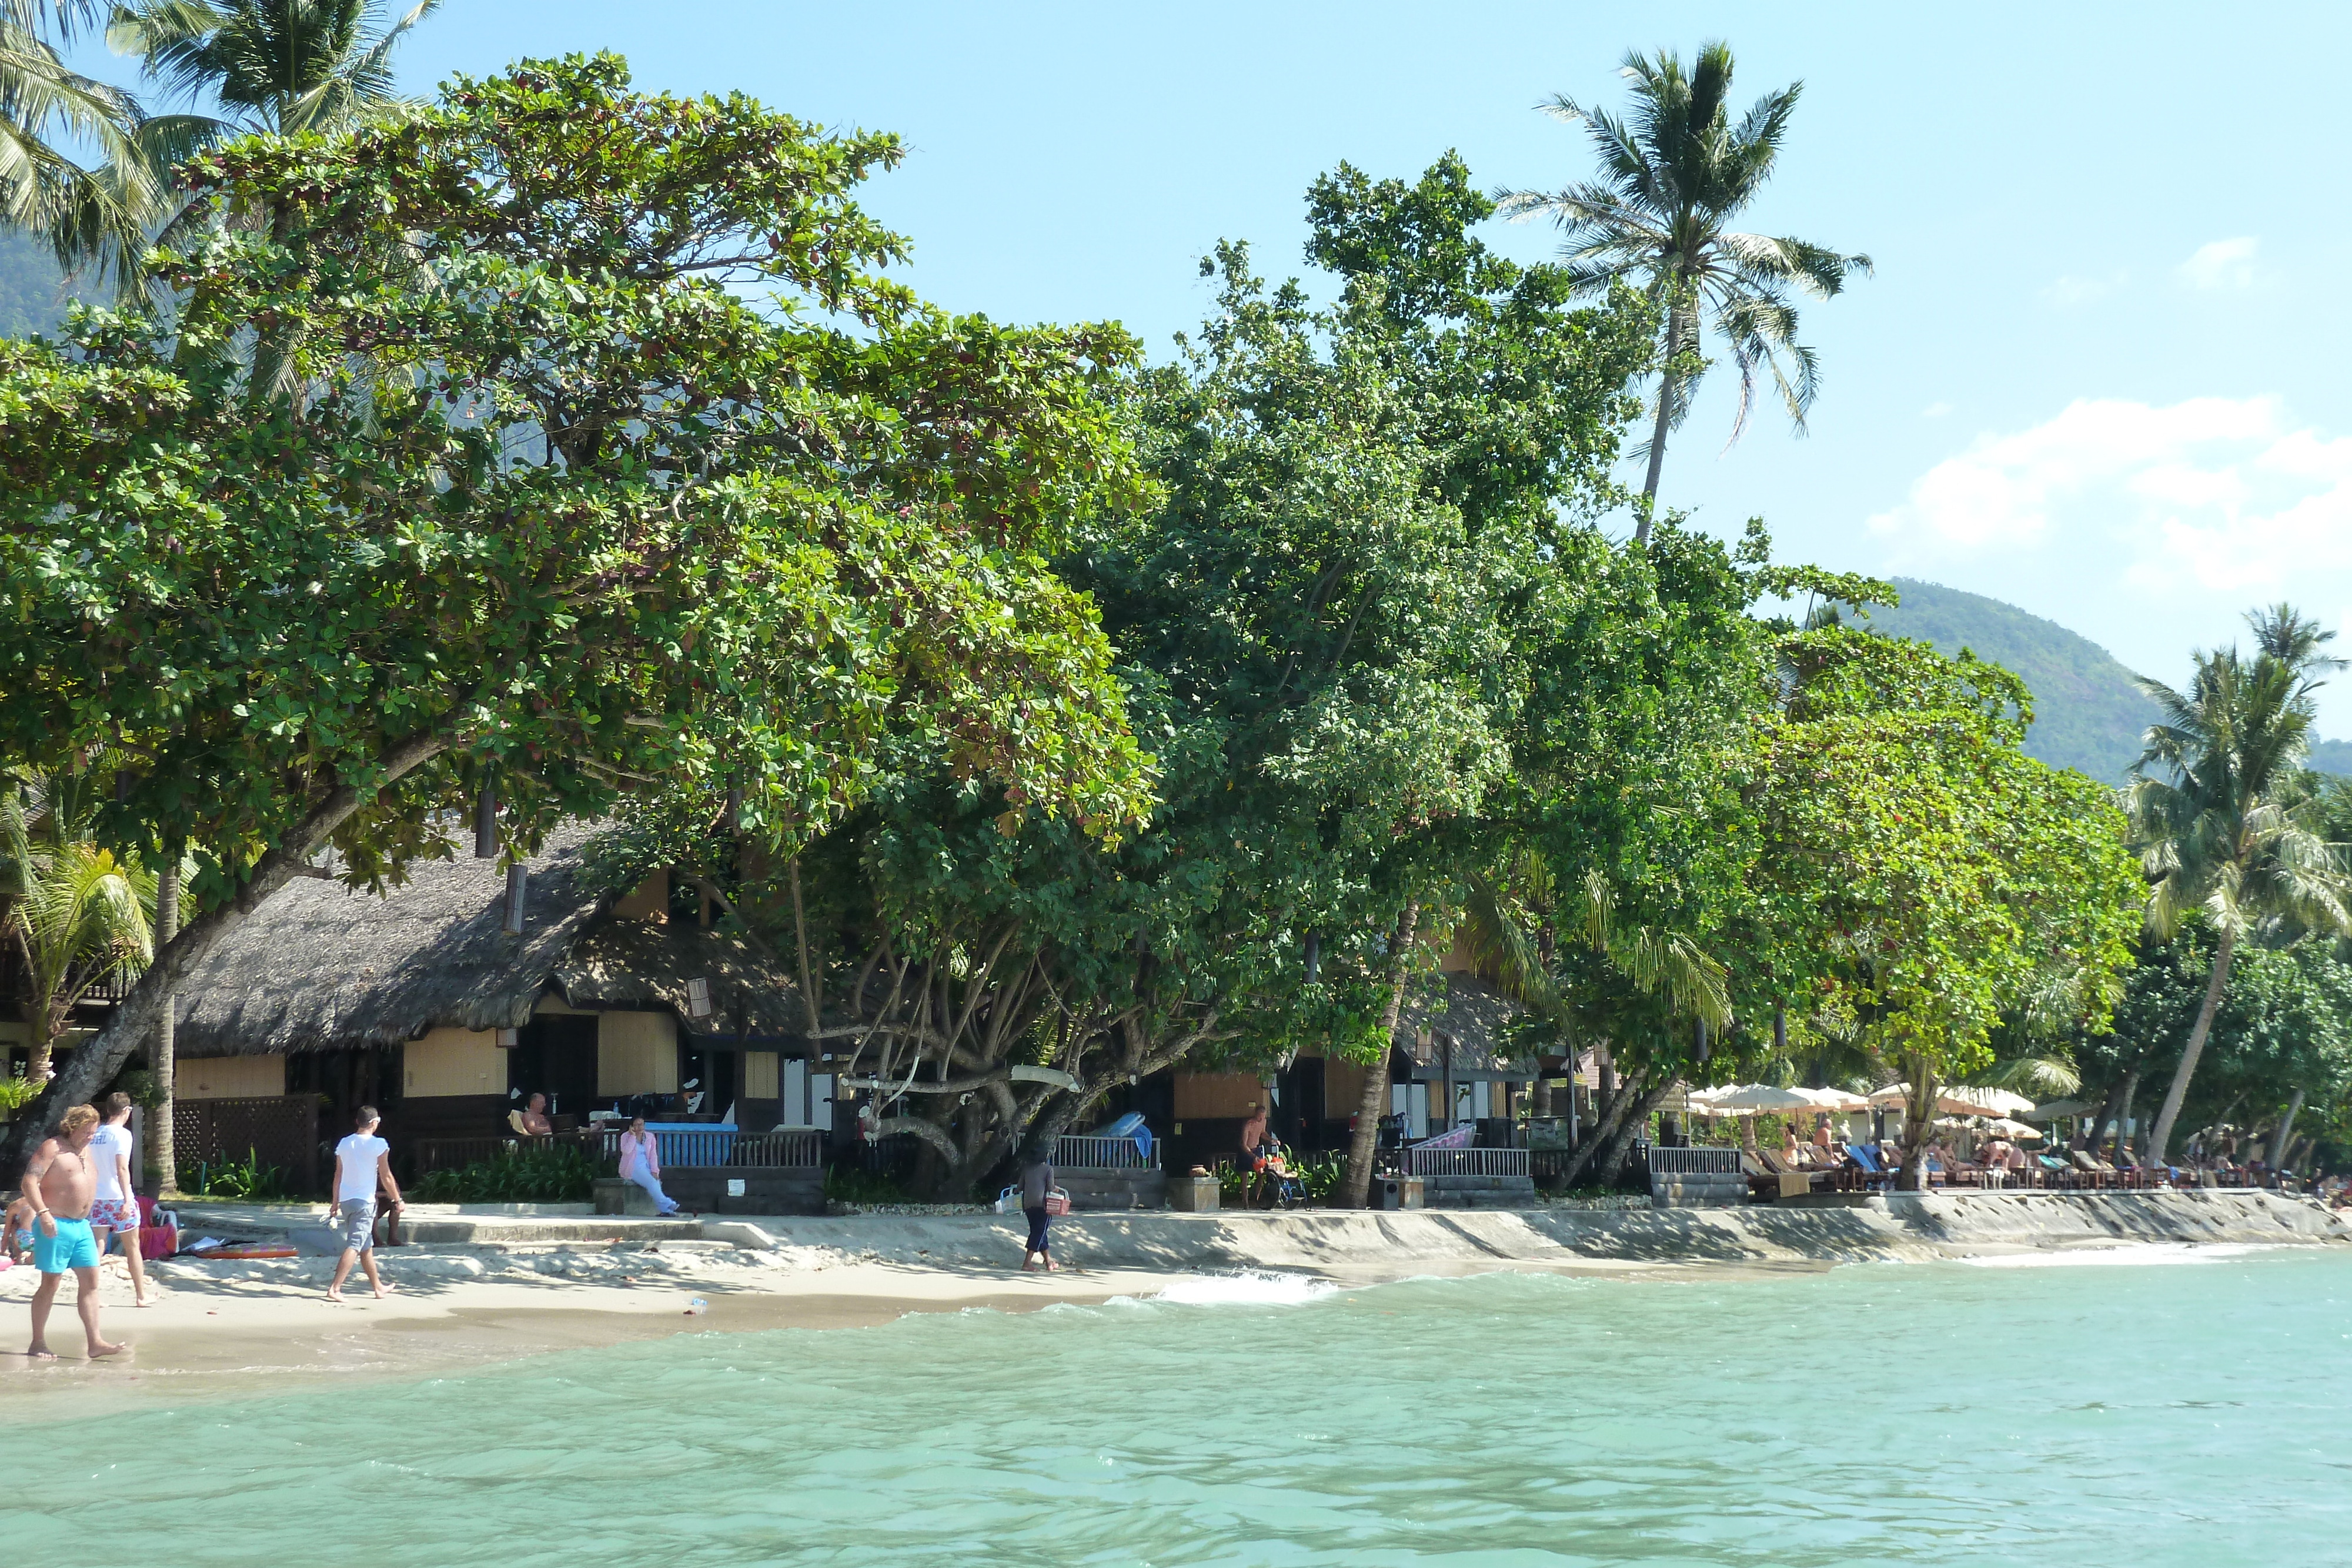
[(158, 1242)]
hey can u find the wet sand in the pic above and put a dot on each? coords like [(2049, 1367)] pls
[(236, 1337)]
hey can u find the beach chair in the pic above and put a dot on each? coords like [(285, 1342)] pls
[(1874, 1173)]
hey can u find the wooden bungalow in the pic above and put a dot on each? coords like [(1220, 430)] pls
[(1449, 1049), (437, 1003)]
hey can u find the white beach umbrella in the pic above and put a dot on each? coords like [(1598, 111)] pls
[(1837, 1102), (1751, 1099), (1956, 1100), (2018, 1130), (1996, 1102)]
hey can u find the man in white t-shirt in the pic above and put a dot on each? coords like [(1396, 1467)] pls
[(115, 1211), (363, 1164)]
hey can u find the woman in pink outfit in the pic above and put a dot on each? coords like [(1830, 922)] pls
[(641, 1162)]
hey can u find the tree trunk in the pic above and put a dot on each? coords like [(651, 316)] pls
[(1638, 1103), (2280, 1143), (163, 1148), (1918, 1122), (1356, 1184), (1588, 1150), (2159, 1142), (136, 1016)]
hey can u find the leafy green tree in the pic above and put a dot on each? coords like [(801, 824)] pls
[(576, 521), (1940, 879), (2226, 828), (1674, 179), (2282, 1035)]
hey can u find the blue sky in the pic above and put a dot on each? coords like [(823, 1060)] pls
[(2095, 375)]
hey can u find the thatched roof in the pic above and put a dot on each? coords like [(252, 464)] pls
[(321, 968), (1473, 1014), (631, 964)]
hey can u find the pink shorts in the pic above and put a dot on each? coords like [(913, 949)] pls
[(113, 1214)]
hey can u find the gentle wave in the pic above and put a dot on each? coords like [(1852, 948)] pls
[(1247, 1289), (2130, 1254)]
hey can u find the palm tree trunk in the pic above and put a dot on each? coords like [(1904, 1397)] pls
[(1355, 1186), (1658, 430), (2282, 1140), (2159, 1142), (161, 1148), (1657, 461)]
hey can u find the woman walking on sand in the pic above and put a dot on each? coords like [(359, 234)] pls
[(1036, 1186)]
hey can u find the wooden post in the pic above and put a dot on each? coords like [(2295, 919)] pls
[(486, 824)]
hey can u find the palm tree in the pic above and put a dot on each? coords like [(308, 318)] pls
[(88, 213), (1658, 218), (2229, 832), (281, 66), (76, 915)]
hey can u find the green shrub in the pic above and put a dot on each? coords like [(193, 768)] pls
[(864, 1187), (557, 1173), (239, 1181)]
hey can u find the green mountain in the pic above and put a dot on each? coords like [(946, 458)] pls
[(2088, 713), (32, 289)]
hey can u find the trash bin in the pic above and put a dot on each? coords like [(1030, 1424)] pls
[(1401, 1192)]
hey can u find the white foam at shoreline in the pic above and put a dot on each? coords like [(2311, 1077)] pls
[(2130, 1254), (1247, 1289)]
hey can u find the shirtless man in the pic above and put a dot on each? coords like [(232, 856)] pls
[(535, 1123), (60, 1184)]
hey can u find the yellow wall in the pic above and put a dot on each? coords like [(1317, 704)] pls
[(549, 1003), (227, 1076), (650, 902), (759, 1075), (1343, 1088), (637, 1053), (1208, 1095), (455, 1061)]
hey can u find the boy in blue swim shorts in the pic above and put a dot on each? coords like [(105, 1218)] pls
[(61, 1183)]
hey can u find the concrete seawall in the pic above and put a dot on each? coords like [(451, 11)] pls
[(1904, 1227)]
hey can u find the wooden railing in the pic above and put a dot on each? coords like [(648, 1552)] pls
[(1080, 1152), (1466, 1162)]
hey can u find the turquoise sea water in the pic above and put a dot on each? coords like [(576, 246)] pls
[(2185, 1408)]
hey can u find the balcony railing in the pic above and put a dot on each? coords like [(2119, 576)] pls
[(1697, 1161), (1466, 1162), (1091, 1153)]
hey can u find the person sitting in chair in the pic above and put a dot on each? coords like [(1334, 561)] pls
[(532, 1119)]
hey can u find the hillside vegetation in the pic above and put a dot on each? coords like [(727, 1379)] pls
[(2088, 714), (32, 297)]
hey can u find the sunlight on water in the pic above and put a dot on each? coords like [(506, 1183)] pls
[(1922, 1414)]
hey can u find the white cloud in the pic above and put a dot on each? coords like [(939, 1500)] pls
[(2210, 496), (2072, 290), (2223, 264)]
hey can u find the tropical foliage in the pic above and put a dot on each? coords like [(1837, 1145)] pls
[(576, 519), (2222, 829)]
